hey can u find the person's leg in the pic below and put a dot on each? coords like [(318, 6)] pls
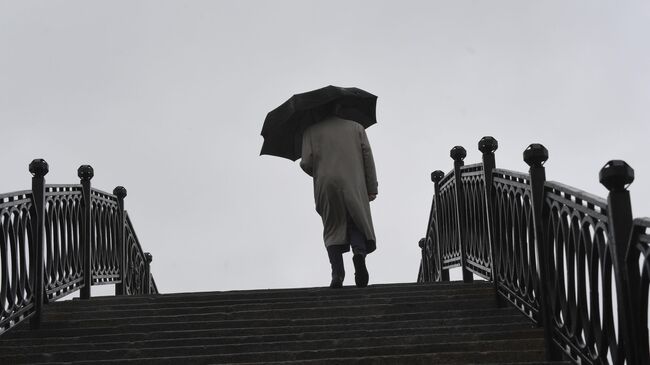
[(335, 254), (357, 239), (358, 243)]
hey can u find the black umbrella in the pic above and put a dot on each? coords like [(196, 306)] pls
[(283, 126)]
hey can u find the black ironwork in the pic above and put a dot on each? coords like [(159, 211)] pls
[(86, 173), (38, 168), (448, 223), (637, 260), (16, 258), (57, 239), (104, 240), (458, 154), (137, 279), (63, 261), (576, 264)]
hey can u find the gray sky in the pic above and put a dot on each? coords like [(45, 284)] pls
[(168, 98)]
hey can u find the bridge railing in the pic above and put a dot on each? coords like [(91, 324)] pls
[(576, 264), (58, 239)]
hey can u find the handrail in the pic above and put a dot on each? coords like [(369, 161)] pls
[(69, 235), (574, 263), (137, 279)]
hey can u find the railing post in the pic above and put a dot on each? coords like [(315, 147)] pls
[(423, 276), (535, 156), (436, 176), (458, 153), (488, 145), (38, 168), (616, 176), (120, 193), (86, 173), (147, 272)]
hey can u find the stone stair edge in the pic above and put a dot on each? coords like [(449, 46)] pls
[(471, 346), (450, 358), (278, 339), (351, 288), (80, 305), (476, 305), (321, 323), (214, 333)]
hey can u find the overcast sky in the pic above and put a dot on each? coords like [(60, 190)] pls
[(168, 98)]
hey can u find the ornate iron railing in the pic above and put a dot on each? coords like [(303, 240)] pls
[(57, 239), (16, 271), (574, 263)]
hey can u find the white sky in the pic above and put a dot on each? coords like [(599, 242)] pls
[(168, 98)]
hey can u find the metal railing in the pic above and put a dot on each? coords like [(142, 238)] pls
[(58, 239), (574, 263)]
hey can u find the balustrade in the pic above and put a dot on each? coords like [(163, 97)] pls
[(59, 239), (576, 264)]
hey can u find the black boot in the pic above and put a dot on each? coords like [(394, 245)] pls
[(338, 270), (360, 270), (337, 282)]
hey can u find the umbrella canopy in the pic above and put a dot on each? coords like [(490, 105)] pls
[(283, 126)]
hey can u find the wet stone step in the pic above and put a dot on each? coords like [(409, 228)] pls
[(267, 294), (299, 354), (234, 351), (344, 311), (420, 359), (442, 323), (221, 336), (91, 305), (431, 319), (451, 358), (424, 334)]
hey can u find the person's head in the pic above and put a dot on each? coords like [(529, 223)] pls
[(327, 110)]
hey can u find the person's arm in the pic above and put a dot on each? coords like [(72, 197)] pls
[(306, 162), (368, 165)]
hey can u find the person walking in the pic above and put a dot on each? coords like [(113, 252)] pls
[(337, 155), (325, 128)]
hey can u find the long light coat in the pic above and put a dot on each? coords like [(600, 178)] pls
[(336, 153)]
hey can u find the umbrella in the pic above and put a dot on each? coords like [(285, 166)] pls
[(283, 126)]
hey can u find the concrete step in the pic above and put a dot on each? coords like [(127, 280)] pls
[(523, 357), (263, 334), (430, 319), (418, 359), (293, 292), (454, 309), (449, 323), (269, 351), (92, 306)]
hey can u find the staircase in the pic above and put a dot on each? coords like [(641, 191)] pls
[(439, 323)]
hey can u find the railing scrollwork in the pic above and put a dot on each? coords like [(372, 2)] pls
[(58, 239), (576, 264)]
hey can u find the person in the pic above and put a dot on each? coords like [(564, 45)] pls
[(337, 155)]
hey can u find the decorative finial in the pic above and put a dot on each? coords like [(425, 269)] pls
[(437, 175), (458, 153), (85, 172), (488, 144), (39, 167), (616, 175), (120, 192), (535, 155)]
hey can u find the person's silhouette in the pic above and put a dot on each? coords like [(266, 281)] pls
[(337, 154)]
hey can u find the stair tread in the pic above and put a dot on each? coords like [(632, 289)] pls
[(457, 311), (393, 335), (527, 357), (305, 349), (448, 323)]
